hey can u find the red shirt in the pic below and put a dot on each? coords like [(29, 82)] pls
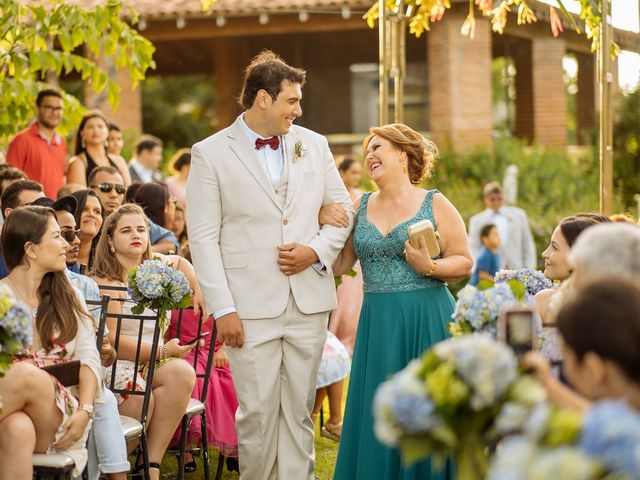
[(41, 160)]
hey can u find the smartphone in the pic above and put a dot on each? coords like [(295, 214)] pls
[(194, 340), (424, 229), (516, 328)]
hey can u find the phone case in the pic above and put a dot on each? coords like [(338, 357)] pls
[(424, 229)]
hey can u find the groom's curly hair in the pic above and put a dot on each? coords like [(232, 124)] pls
[(266, 72)]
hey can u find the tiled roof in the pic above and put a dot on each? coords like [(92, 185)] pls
[(193, 8)]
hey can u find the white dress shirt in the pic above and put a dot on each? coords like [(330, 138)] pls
[(272, 161)]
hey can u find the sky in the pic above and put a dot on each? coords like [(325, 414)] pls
[(625, 16)]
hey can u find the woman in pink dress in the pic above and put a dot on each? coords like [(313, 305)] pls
[(344, 319), (221, 402)]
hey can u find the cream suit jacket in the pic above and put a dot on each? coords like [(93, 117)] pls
[(236, 223)]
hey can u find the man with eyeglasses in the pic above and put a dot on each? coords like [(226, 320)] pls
[(38, 150), (108, 184)]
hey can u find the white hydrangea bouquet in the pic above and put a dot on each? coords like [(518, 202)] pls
[(158, 286), (561, 443), (446, 404), (16, 333), (477, 308)]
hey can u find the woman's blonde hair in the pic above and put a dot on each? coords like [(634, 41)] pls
[(421, 153), (106, 264)]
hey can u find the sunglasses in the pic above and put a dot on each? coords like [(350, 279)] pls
[(70, 235), (107, 187)]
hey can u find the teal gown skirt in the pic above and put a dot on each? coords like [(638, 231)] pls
[(394, 328)]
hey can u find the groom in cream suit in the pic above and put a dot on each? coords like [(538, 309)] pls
[(264, 264)]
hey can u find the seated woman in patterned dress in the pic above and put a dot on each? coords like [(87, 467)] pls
[(38, 413)]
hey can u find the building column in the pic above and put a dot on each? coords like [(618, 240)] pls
[(128, 114), (459, 70), (541, 102), (229, 61)]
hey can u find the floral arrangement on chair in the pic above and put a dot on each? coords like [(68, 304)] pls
[(158, 286), (448, 402), (478, 308), (533, 280), (16, 333), (557, 443)]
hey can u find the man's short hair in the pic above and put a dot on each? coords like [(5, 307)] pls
[(11, 195), (491, 188), (107, 169), (47, 92), (113, 126), (266, 72), (486, 230), (147, 142), (11, 173)]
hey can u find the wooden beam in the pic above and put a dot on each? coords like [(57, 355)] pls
[(248, 26)]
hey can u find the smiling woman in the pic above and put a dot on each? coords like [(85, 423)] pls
[(89, 218)]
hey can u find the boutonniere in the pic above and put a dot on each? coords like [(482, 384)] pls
[(299, 152)]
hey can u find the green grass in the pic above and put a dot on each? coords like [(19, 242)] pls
[(326, 453)]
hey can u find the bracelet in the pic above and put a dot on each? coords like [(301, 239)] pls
[(433, 269), (164, 351)]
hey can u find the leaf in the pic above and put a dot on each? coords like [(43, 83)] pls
[(414, 449)]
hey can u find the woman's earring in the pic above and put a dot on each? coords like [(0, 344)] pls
[(112, 249), (405, 170), (82, 144)]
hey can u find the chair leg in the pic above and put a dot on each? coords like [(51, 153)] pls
[(145, 452), (183, 446), (205, 445), (221, 459)]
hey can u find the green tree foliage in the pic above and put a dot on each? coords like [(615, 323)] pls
[(626, 144), (50, 37)]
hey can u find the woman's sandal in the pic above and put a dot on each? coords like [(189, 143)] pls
[(138, 472), (332, 431)]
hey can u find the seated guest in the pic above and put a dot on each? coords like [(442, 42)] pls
[(221, 402), (488, 261), (108, 184), (181, 163), (69, 189), (18, 194), (63, 332), (160, 207), (89, 218), (124, 245), (179, 227), (91, 150), (115, 142), (10, 175)]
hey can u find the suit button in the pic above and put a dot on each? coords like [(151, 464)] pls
[(285, 222)]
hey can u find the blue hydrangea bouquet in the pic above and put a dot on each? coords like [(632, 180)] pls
[(477, 308), (533, 281), (446, 403), (557, 443), (16, 333), (158, 286)]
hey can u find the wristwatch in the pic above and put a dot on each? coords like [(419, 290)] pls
[(86, 408)]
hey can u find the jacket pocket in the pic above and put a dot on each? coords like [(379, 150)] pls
[(239, 260)]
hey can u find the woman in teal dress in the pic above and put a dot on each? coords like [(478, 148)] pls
[(406, 305)]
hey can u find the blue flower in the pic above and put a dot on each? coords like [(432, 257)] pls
[(533, 280), (15, 322)]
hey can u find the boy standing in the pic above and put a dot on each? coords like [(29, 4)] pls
[(488, 261)]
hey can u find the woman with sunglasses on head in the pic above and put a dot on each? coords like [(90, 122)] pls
[(89, 217), (91, 150), (50, 416)]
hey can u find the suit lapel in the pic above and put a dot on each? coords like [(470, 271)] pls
[(240, 146), (290, 140)]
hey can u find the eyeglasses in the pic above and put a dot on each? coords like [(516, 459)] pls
[(70, 235), (107, 187)]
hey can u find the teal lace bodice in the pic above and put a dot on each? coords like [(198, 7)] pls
[(384, 268)]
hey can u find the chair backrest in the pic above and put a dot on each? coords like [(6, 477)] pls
[(98, 310), (130, 389), (206, 374)]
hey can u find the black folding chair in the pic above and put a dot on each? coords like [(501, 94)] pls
[(196, 407), (132, 391)]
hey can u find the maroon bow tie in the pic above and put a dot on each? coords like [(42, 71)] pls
[(273, 142)]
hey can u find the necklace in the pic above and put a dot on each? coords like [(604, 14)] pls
[(19, 294)]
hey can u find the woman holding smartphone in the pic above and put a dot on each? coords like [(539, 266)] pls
[(406, 305)]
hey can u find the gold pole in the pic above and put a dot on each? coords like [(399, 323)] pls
[(605, 130), (382, 67)]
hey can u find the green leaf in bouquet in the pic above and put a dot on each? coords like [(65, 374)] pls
[(445, 388), (563, 427), (518, 289), (444, 435), (137, 309), (485, 285), (186, 302), (415, 448), (459, 327), (429, 363)]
